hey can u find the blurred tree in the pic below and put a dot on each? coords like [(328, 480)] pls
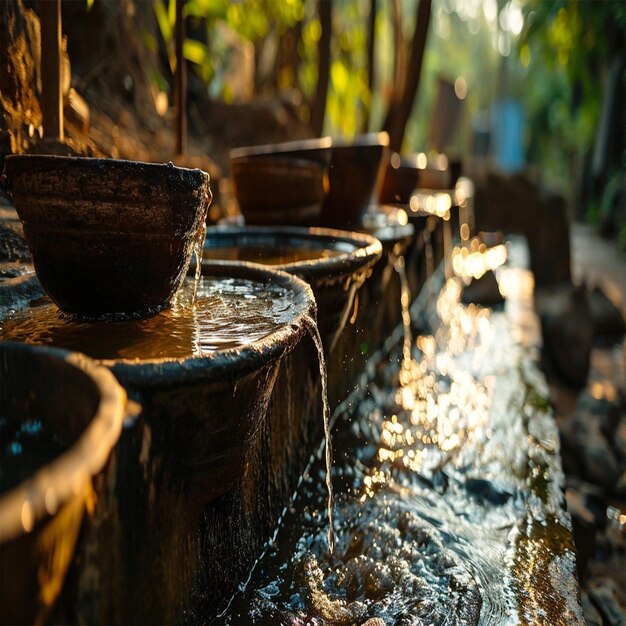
[(575, 55), (409, 79), (318, 107)]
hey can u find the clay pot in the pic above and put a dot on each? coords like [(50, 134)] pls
[(405, 174), (81, 406), (278, 190), (318, 150), (335, 263), (108, 237), (354, 173)]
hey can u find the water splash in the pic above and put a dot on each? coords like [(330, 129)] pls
[(405, 304), (313, 331), (197, 252)]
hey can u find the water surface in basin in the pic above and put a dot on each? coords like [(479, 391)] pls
[(24, 448), (269, 255), (225, 313)]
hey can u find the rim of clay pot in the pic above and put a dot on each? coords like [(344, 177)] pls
[(394, 235), (282, 162), (359, 249), (43, 162), (231, 363), (64, 477), (364, 139), (317, 149)]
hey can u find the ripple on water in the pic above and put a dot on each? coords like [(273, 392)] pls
[(226, 313)]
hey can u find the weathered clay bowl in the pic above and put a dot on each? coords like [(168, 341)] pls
[(354, 172), (108, 237), (318, 150), (212, 440), (79, 407), (279, 190), (335, 263), (399, 181), (405, 174)]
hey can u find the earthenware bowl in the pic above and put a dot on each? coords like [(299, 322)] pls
[(61, 417), (318, 150), (354, 173), (278, 189), (108, 237), (335, 263)]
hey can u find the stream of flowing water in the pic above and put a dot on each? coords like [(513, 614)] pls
[(405, 307), (197, 252), (314, 333)]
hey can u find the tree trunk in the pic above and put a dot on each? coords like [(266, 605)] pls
[(318, 108), (371, 63), (398, 115)]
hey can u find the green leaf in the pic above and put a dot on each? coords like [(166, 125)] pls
[(163, 21), (195, 51)]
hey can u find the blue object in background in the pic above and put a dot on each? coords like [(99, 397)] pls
[(508, 135)]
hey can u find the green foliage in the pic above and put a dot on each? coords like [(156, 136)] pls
[(458, 45), (348, 92), (566, 47), (212, 20)]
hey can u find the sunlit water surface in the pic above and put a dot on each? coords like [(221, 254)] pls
[(225, 313)]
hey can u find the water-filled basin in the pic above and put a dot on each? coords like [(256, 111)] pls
[(108, 237), (60, 416), (335, 263)]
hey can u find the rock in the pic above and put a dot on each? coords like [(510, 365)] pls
[(604, 596), (592, 615), (374, 621), (12, 244), (567, 329), (608, 321), (587, 453), (606, 413), (16, 293)]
